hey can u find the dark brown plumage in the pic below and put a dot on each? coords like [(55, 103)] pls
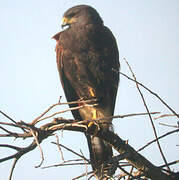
[(88, 64)]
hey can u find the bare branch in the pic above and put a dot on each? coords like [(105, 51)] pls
[(8, 117), (70, 150), (164, 135), (134, 158), (13, 167), (171, 163), (137, 160), (169, 125), (45, 112), (153, 93), (86, 167), (59, 148), (129, 174), (10, 146), (145, 105), (37, 142), (165, 115), (48, 129), (66, 110), (36, 120), (66, 163), (82, 175)]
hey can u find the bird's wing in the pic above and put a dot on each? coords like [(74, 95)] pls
[(89, 66), (68, 89)]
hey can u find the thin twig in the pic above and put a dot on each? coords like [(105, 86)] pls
[(9, 132), (124, 116), (13, 167), (171, 163), (165, 115), (168, 125), (129, 176), (86, 167), (72, 151), (153, 93), (8, 117), (145, 105), (41, 152), (59, 148), (166, 134), (65, 163), (45, 112), (14, 134), (4, 114), (63, 111), (126, 173), (110, 117), (36, 120), (82, 175)]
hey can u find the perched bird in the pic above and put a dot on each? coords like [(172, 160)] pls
[(88, 64)]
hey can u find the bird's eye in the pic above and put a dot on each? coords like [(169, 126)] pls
[(71, 14)]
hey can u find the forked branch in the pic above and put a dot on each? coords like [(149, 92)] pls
[(127, 152)]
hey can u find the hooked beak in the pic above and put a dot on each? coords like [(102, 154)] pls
[(67, 21)]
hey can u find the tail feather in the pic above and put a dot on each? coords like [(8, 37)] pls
[(100, 151), (100, 154)]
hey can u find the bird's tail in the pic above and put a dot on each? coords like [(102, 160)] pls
[(100, 154)]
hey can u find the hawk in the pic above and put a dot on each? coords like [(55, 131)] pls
[(88, 65)]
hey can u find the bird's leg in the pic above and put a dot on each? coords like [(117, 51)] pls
[(93, 122), (94, 114)]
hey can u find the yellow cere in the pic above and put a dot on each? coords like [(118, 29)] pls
[(66, 20)]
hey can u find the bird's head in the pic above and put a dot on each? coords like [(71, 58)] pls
[(81, 15)]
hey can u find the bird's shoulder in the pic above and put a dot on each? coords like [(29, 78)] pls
[(82, 37)]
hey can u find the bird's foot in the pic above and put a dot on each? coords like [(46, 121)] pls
[(97, 127)]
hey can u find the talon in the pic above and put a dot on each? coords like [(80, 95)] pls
[(90, 124), (94, 122), (97, 127)]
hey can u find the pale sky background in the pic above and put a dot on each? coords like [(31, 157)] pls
[(147, 33)]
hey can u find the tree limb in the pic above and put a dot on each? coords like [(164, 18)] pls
[(126, 151)]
